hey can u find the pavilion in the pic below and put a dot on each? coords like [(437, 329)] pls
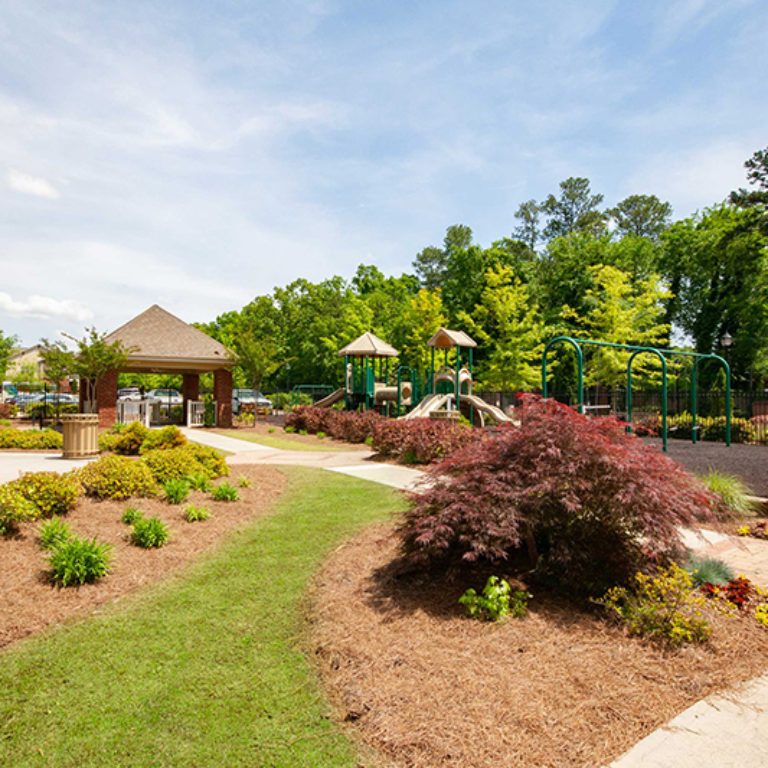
[(162, 343)]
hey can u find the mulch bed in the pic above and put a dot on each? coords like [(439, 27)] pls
[(28, 601), (749, 462), (426, 686)]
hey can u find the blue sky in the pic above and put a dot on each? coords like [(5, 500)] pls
[(197, 154)]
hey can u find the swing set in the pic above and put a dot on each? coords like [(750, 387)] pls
[(661, 354)]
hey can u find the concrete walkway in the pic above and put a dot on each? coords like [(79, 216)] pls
[(352, 463), (14, 464)]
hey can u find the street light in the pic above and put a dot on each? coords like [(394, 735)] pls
[(726, 340)]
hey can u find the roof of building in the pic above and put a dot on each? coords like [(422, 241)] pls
[(160, 341), (446, 339), (368, 345)]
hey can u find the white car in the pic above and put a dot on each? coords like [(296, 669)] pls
[(165, 396)]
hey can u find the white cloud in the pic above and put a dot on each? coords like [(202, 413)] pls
[(44, 307), (31, 185)]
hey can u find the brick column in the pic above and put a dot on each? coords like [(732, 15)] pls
[(190, 390), (222, 394), (106, 399)]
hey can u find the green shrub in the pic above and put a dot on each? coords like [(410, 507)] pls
[(225, 492), (149, 532), (54, 532), (131, 515), (199, 481), (14, 509), (497, 600), (663, 608), (708, 570), (79, 561), (171, 464), (176, 490), (212, 461), (290, 430), (131, 438), (49, 410), (117, 477), (320, 435), (30, 439), (731, 491), (51, 493), (195, 514), (243, 482), (271, 430), (8, 423), (163, 439)]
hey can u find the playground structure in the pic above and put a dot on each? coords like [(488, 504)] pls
[(635, 351), (445, 393)]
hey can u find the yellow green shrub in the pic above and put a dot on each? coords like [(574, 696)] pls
[(171, 464), (51, 493), (664, 608), (30, 439), (14, 509), (117, 477), (213, 462), (163, 439)]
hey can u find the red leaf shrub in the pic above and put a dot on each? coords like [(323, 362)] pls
[(419, 441), (596, 503), (344, 425)]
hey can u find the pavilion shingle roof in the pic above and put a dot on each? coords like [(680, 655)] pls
[(158, 337), (368, 345)]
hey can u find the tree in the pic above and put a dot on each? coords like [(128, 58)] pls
[(429, 266), (576, 209), (621, 313), (57, 364), (528, 231), (256, 357), (7, 344), (641, 216), (717, 270), (94, 359), (756, 199), (423, 317), (506, 323)]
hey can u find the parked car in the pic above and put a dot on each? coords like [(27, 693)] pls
[(54, 398), (22, 398), (165, 396), (249, 398), (129, 394)]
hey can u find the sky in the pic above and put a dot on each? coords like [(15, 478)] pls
[(198, 154)]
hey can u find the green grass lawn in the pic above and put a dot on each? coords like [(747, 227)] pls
[(205, 669), (279, 441)]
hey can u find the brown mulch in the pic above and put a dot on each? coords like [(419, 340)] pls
[(425, 686), (28, 601)]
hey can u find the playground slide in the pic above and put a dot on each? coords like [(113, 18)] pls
[(329, 400), (480, 405), (427, 405)]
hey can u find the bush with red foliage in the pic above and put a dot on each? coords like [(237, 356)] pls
[(420, 441), (592, 503), (351, 426), (739, 591)]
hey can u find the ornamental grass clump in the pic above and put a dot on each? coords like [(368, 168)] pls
[(225, 492), (79, 561), (149, 533), (194, 514), (176, 490), (734, 494), (54, 532), (590, 504)]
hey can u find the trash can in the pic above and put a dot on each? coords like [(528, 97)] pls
[(80, 433)]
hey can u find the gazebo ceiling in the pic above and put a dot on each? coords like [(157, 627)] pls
[(163, 343), (368, 345)]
